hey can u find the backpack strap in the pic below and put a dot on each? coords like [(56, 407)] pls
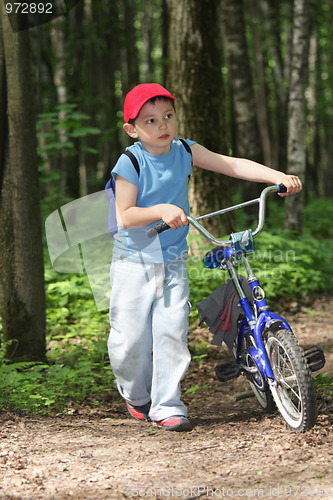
[(133, 160), (135, 163), (188, 149), (111, 191), (186, 146)]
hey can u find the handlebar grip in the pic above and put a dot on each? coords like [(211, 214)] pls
[(157, 229), (282, 188)]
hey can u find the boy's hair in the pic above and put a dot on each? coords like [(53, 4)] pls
[(153, 100)]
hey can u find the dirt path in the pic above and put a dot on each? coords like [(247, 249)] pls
[(234, 450)]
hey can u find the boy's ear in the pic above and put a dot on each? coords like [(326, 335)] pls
[(130, 130)]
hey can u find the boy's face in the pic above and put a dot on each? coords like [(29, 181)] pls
[(155, 126)]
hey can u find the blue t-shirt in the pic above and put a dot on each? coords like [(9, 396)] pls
[(163, 179)]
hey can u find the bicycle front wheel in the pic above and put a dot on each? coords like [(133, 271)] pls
[(294, 395)]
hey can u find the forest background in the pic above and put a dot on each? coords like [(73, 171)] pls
[(252, 78)]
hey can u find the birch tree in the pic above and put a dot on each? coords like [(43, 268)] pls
[(247, 140), (297, 110)]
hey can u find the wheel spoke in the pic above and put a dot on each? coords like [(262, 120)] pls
[(286, 375)]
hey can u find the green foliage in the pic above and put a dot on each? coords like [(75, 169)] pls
[(324, 385), (195, 388), (78, 369), (318, 216), (294, 267), (61, 133), (199, 350), (45, 388), (58, 129)]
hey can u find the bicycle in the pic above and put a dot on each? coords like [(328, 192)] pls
[(266, 350)]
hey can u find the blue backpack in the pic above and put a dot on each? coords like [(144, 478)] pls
[(111, 189)]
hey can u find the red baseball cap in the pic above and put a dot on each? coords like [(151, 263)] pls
[(138, 96)]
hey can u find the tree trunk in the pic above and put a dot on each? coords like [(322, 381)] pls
[(22, 296), (248, 140), (129, 58), (297, 111), (195, 78), (314, 149), (113, 23), (68, 165), (326, 174), (165, 40), (276, 20), (260, 91), (147, 63)]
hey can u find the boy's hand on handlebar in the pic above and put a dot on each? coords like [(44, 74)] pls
[(173, 215), (292, 183)]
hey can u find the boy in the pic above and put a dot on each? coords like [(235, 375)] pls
[(149, 305)]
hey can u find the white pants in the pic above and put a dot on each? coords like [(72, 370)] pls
[(149, 327)]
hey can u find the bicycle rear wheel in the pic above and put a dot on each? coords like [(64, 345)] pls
[(295, 394), (264, 398)]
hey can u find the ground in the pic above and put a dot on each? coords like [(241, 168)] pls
[(235, 450)]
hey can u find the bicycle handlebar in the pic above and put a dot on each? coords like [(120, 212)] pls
[(162, 226)]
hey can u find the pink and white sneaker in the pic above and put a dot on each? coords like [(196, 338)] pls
[(175, 423), (139, 412)]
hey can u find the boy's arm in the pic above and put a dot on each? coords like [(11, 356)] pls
[(241, 168), (129, 216)]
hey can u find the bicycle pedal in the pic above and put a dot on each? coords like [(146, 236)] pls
[(227, 371), (315, 358)]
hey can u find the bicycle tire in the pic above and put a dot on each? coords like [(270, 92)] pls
[(295, 395)]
